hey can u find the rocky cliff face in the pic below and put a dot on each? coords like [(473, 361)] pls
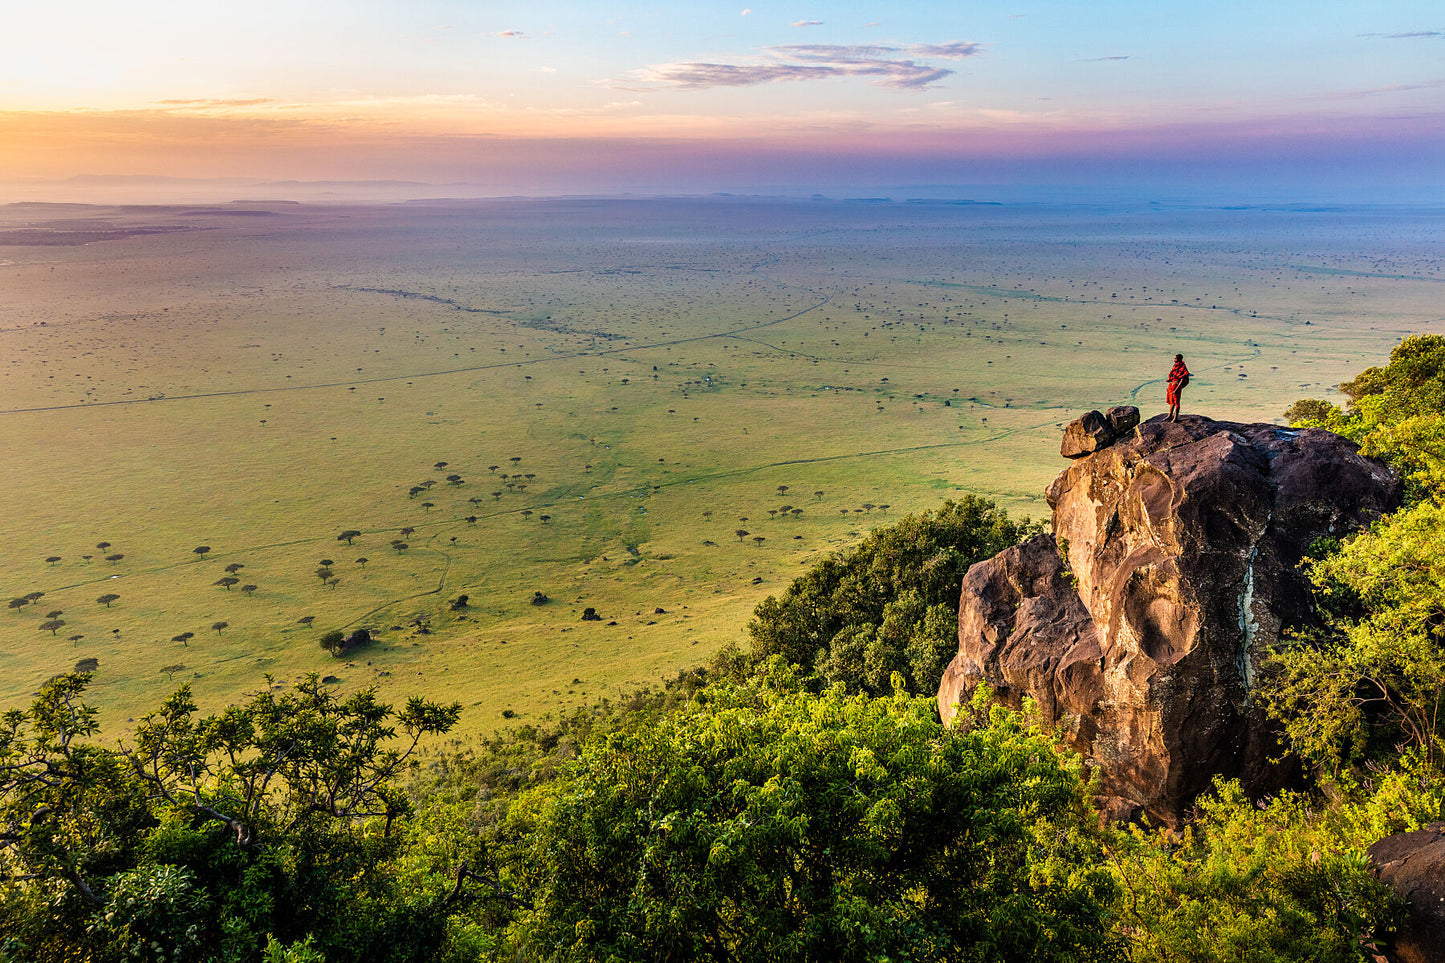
[(1143, 621)]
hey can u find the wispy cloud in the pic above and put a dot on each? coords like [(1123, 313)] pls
[(509, 33), (746, 11), (1376, 91), (1098, 60), (957, 50), (807, 23), (1412, 35), (886, 66), (210, 103)]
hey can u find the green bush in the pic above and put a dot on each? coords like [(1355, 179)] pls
[(766, 823), (1265, 882), (889, 605)]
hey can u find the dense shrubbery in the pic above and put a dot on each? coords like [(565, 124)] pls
[(1271, 882), (889, 605), (767, 823)]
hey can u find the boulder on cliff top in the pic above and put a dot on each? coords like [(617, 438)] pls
[(1086, 434), (1122, 418), (1142, 623)]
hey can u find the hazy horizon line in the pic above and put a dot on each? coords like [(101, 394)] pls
[(99, 189)]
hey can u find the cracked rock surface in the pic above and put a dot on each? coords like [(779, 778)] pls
[(1142, 621)]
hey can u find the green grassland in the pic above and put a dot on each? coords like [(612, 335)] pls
[(653, 377)]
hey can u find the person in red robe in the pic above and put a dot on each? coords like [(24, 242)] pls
[(1178, 378)]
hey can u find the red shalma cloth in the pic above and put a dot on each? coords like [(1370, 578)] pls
[(1177, 376)]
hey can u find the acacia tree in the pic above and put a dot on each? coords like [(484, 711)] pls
[(209, 833), (284, 759), (65, 804), (108, 598)]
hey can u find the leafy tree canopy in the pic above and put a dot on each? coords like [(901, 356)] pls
[(1374, 680), (210, 834), (1268, 881), (889, 605), (1396, 413), (767, 823)]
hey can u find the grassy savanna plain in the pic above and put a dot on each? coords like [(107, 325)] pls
[(659, 409)]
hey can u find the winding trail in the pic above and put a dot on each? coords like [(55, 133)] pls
[(1134, 395)]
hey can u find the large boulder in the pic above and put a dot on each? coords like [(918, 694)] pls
[(1122, 418), (1141, 624), (1413, 865), (1086, 434)]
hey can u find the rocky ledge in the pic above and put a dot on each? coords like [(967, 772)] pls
[(1141, 623)]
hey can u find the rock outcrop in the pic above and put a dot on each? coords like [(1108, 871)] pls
[(1092, 431), (1413, 865), (1085, 435), (1142, 622)]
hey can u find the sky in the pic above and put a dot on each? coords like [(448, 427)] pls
[(1267, 99)]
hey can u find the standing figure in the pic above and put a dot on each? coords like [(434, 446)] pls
[(1178, 379)]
